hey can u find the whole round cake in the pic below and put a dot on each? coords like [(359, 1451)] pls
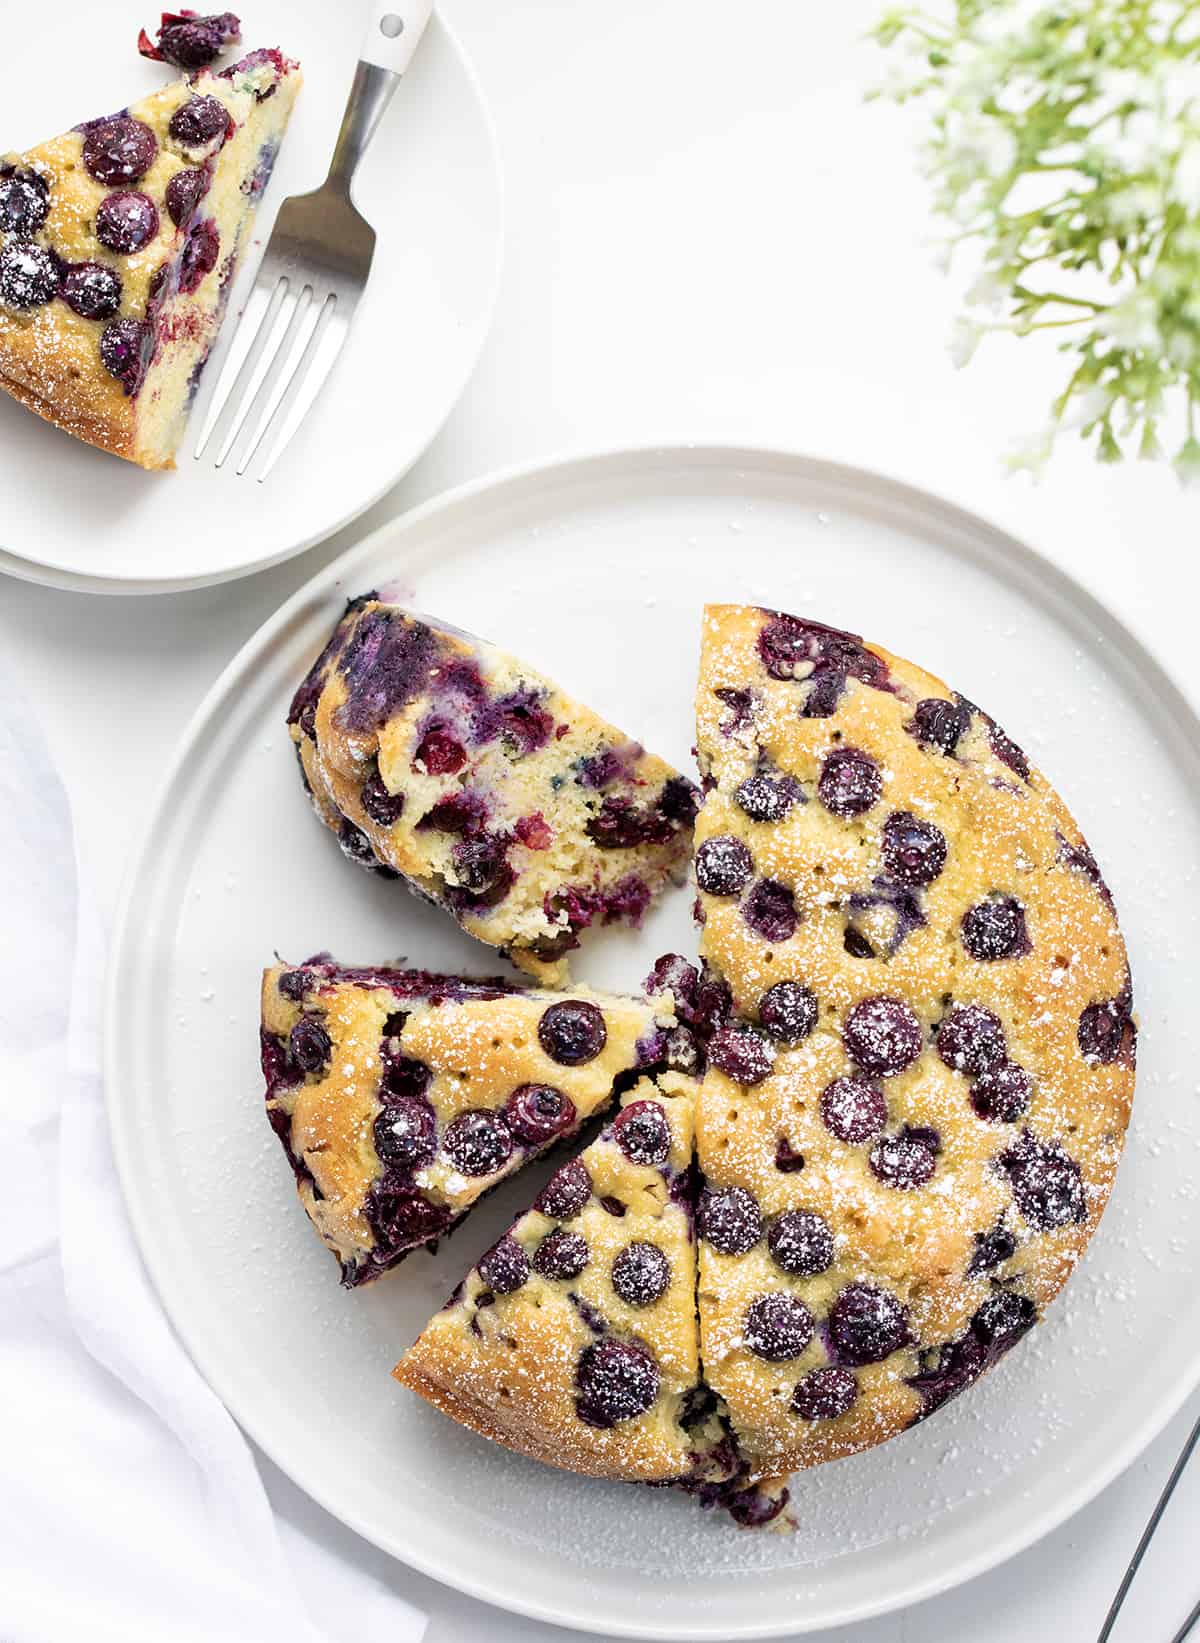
[(862, 1143)]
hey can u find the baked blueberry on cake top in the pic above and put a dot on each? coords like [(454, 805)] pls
[(492, 792), (574, 1340), (400, 1097), (913, 1113), (118, 241)]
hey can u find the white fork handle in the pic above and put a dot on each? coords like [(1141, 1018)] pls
[(394, 30)]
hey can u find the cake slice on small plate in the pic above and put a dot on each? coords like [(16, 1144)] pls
[(118, 242), (489, 789), (400, 1096)]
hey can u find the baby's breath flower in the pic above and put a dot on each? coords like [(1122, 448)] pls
[(1064, 147)]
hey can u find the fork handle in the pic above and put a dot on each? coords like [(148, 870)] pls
[(394, 30)]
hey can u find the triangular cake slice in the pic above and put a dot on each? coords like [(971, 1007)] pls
[(118, 242), (400, 1096), (913, 1114), (574, 1340), (487, 787)]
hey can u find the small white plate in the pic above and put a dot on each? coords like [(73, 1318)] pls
[(77, 518), (597, 570)]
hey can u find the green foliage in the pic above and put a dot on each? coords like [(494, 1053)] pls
[(1064, 147)]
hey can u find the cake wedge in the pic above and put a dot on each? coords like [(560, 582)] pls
[(118, 242)]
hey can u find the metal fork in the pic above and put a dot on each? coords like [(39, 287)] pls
[(313, 271)]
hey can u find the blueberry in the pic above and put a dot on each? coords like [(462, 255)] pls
[(195, 123), (536, 1113), (850, 782), (561, 1254), (971, 1039), (505, 1267), (125, 350), (199, 256), (478, 1142), (1103, 1029), (24, 203), (565, 1193), (792, 648), (787, 1160), (801, 1243), (741, 1054), (293, 984), (616, 1381), (741, 709), (1002, 1093), (402, 1218), (572, 1033), (1046, 1182), (777, 1327), (788, 1011), (126, 221), (642, 1133), (995, 929), (991, 1250), (613, 1206), (404, 1075), (406, 1133), (770, 911), (189, 41), (1007, 751), (92, 290), (387, 662), (723, 865), (940, 724), (768, 798), (906, 1160), (481, 864), (729, 1219), (914, 850), (641, 1274), (28, 275), (867, 1324), (824, 1393), (882, 1036), (119, 150), (384, 808), (309, 1045), (853, 1109), (1003, 1318), (184, 192)]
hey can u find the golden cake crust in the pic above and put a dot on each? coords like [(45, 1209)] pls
[(843, 925)]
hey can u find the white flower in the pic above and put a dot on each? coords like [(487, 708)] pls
[(1187, 464), (1030, 454), (988, 291), (983, 147), (1132, 322), (1086, 407), (965, 337), (1184, 186)]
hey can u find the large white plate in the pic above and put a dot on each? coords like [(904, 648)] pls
[(77, 518), (597, 569)]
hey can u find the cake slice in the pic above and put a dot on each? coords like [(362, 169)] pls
[(400, 1097), (574, 1340), (118, 241), (914, 1108), (492, 792)]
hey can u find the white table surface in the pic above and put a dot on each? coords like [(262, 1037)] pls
[(712, 238)]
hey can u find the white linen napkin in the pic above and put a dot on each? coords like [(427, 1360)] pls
[(131, 1509)]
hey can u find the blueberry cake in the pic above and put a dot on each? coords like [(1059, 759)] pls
[(118, 241), (574, 1340), (914, 1107), (489, 790), (400, 1096)]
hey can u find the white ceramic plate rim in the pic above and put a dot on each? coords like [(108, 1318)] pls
[(53, 576), (565, 470)]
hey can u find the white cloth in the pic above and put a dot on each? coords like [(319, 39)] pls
[(131, 1508)]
